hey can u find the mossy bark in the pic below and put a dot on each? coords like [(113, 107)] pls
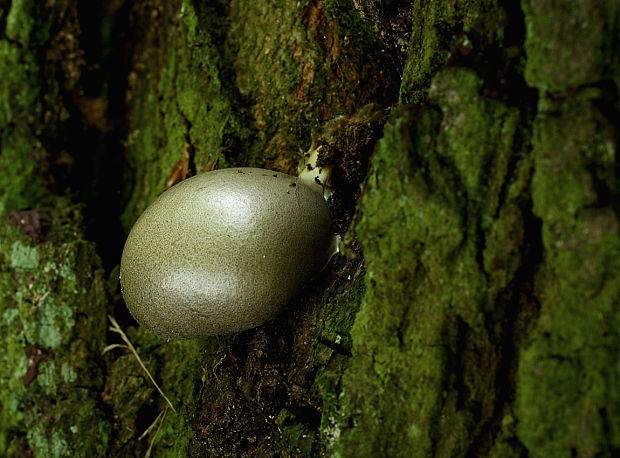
[(474, 309)]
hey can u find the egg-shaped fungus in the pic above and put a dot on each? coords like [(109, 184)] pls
[(224, 251)]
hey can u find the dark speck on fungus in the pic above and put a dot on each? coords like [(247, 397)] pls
[(224, 251)]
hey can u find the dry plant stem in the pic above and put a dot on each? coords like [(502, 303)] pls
[(161, 417), (116, 328), (152, 425)]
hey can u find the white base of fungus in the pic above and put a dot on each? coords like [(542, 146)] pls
[(310, 174)]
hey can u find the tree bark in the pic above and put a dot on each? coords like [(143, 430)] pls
[(473, 309)]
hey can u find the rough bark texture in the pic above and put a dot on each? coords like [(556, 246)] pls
[(474, 310)]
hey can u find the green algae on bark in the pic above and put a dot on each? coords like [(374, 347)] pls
[(177, 101), (571, 48), (300, 64), (567, 396), (52, 302), (31, 107), (139, 409), (425, 360), (53, 325), (223, 80), (19, 180), (451, 31)]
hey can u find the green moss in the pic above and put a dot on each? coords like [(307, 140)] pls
[(76, 428), (52, 302), (478, 134), (502, 254), (334, 323), (567, 375), (505, 445), (28, 21), (568, 49), (67, 373), (558, 198), (20, 20), (210, 88), (276, 72), (440, 189), (176, 366), (297, 438), (298, 65), (380, 363), (20, 151), (181, 103), (180, 377), (439, 29), (130, 391), (19, 167), (18, 89)]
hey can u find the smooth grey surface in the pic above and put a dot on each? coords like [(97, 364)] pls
[(224, 251)]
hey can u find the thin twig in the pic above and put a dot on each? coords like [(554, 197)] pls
[(116, 328)]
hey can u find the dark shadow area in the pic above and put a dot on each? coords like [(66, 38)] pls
[(95, 129)]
